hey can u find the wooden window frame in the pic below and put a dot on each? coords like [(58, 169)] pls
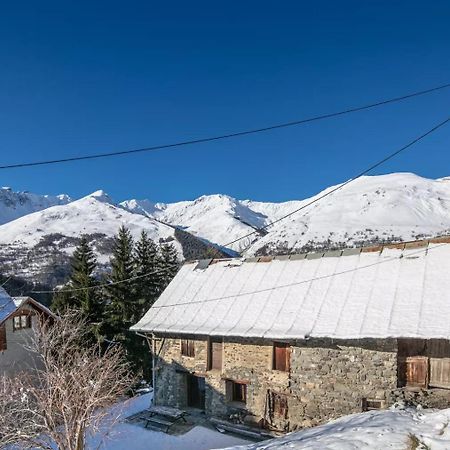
[(277, 365), (211, 342), (237, 392), (21, 325), (187, 348)]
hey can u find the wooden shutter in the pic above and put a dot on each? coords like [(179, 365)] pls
[(229, 390), (184, 349), (188, 347), (440, 372), (215, 355), (191, 348), (281, 356), (416, 370), (3, 343)]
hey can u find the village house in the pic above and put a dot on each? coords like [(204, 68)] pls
[(292, 341), (18, 318)]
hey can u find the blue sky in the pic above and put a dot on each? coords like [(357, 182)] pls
[(80, 77)]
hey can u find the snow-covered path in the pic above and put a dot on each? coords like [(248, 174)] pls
[(126, 436)]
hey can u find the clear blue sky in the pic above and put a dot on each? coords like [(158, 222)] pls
[(80, 77)]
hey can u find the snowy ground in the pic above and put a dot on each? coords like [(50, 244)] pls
[(125, 436), (375, 430)]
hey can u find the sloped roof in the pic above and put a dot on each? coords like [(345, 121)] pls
[(9, 305), (387, 291)]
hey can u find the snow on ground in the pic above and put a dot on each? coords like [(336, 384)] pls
[(127, 436), (394, 429)]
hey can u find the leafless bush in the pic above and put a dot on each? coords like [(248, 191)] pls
[(66, 397)]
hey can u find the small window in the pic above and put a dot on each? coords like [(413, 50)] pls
[(236, 391), (21, 322), (187, 347), (281, 356), (369, 404), (215, 354)]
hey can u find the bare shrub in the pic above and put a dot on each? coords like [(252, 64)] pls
[(67, 396)]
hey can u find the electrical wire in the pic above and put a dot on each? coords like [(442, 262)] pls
[(310, 280), (229, 135), (386, 158), (341, 186)]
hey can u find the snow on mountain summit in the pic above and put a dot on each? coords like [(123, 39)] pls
[(398, 206), (92, 214), (101, 196), (17, 204), (372, 208)]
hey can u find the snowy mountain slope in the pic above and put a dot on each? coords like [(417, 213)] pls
[(93, 214), (17, 204), (400, 206), (386, 207), (38, 246), (216, 218)]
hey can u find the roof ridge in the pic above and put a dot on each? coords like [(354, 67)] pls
[(345, 251)]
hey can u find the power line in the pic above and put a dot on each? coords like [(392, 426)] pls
[(341, 186), (229, 135), (97, 286), (351, 180)]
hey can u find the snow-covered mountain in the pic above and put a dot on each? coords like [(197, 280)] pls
[(44, 240), (216, 218), (373, 208), (17, 204), (399, 206)]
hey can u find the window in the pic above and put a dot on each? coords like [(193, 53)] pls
[(281, 356), (236, 391), (215, 354), (21, 322), (187, 347), (239, 392), (369, 404), (3, 345)]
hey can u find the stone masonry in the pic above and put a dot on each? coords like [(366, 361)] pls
[(327, 378)]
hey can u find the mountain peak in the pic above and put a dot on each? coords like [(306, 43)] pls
[(100, 196)]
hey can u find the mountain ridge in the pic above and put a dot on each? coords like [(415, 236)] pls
[(382, 208)]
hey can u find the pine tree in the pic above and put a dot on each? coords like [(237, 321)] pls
[(126, 297), (168, 263), (148, 286), (78, 293), (121, 293)]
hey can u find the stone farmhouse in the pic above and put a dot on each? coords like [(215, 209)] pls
[(292, 341), (18, 317)]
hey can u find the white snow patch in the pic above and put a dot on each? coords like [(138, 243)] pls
[(374, 430)]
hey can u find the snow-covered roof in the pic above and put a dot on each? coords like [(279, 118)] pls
[(385, 291), (9, 305)]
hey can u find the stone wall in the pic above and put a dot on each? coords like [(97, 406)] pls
[(327, 378)]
